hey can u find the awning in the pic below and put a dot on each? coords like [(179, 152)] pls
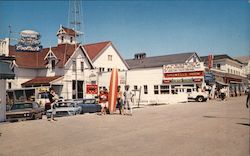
[(42, 81), (221, 83), (5, 71)]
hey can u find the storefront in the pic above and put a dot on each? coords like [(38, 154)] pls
[(5, 73), (156, 79), (189, 75)]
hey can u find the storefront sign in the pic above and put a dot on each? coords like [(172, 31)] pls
[(91, 89), (166, 81), (43, 89), (184, 67), (195, 80), (184, 74)]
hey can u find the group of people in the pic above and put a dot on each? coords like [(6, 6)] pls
[(124, 100)]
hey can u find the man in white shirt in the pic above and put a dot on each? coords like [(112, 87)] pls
[(127, 99)]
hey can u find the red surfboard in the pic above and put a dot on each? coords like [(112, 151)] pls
[(113, 90)]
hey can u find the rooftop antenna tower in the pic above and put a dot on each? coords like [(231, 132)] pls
[(11, 38), (76, 18)]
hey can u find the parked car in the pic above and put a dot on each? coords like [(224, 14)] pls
[(198, 96), (193, 94), (47, 105), (89, 106), (24, 111), (65, 108)]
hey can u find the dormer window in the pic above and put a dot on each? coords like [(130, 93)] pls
[(71, 39), (51, 59), (53, 64), (62, 39)]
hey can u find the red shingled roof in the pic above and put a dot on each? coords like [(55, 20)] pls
[(95, 49), (40, 81), (69, 31), (36, 59)]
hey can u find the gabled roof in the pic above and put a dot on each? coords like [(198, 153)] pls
[(68, 31), (218, 57), (159, 61), (36, 59), (243, 59), (41, 81), (95, 49)]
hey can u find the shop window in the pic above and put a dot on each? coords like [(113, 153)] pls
[(101, 69), (77, 90), (164, 89), (188, 85), (145, 89), (174, 89), (109, 69), (156, 89)]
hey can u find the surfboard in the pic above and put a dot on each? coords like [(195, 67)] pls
[(113, 90)]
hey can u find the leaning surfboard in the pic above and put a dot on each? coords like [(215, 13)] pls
[(113, 90)]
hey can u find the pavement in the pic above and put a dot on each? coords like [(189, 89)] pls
[(213, 128)]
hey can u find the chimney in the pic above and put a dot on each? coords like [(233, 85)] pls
[(139, 56)]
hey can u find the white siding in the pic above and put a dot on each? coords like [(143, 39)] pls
[(71, 75), (116, 62), (21, 75)]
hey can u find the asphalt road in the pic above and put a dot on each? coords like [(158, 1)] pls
[(213, 128)]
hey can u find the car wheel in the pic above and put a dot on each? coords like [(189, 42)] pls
[(200, 99), (33, 117), (41, 116)]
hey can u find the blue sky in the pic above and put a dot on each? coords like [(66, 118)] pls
[(154, 27)]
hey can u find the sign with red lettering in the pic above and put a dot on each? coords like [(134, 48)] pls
[(91, 89), (184, 74)]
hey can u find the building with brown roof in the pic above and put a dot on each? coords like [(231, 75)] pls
[(228, 72), (66, 66)]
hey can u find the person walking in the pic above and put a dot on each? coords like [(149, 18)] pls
[(128, 95), (248, 99), (103, 98), (53, 98), (119, 100), (223, 94)]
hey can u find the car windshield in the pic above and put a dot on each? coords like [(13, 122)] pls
[(89, 101), (65, 104), (21, 106)]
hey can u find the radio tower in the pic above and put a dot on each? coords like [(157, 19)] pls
[(76, 18)]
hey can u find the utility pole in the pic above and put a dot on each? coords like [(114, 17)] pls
[(75, 22)]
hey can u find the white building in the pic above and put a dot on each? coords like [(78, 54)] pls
[(64, 65), (147, 75), (228, 72)]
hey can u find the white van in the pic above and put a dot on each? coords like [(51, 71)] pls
[(193, 94)]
